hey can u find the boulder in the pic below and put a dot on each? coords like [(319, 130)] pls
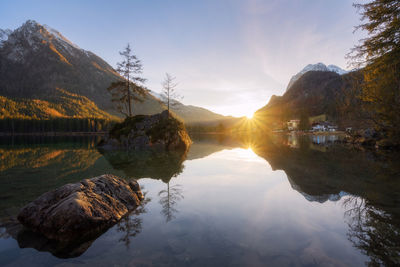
[(159, 132), (81, 210)]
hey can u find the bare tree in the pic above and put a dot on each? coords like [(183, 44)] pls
[(169, 91), (131, 88)]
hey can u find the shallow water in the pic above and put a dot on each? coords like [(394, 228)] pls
[(277, 201)]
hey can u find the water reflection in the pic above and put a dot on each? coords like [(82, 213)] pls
[(365, 185), (169, 199), (373, 231), (156, 165), (147, 164), (130, 226), (370, 180)]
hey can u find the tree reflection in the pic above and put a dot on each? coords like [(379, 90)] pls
[(169, 199), (367, 181), (131, 225), (373, 231)]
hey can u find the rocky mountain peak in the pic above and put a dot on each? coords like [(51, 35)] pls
[(315, 67), (32, 36), (4, 35)]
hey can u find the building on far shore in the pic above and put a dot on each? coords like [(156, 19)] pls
[(324, 127), (293, 125)]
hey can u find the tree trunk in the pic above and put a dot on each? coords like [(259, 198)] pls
[(129, 99)]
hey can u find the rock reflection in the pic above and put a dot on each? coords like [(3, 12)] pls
[(147, 164), (155, 165), (130, 226)]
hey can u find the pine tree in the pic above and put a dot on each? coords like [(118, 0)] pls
[(131, 89), (379, 54)]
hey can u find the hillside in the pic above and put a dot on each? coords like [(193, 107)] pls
[(62, 105), (36, 59), (313, 94), (191, 114)]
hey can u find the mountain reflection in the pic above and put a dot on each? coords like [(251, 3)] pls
[(366, 183)]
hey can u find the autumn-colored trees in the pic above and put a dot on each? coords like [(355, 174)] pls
[(379, 55)]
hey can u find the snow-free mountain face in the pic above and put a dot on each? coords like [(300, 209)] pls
[(189, 113), (315, 67)]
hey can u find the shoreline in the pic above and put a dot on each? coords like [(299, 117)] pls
[(55, 134)]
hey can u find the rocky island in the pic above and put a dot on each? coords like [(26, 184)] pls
[(161, 132)]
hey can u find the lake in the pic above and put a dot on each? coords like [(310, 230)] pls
[(230, 201)]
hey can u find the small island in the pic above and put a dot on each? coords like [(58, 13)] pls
[(161, 132)]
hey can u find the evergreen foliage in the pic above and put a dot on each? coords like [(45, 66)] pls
[(125, 92), (380, 54)]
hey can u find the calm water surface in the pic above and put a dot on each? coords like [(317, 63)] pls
[(248, 201)]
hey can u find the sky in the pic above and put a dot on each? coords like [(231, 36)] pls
[(229, 56)]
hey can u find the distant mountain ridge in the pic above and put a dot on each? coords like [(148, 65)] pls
[(315, 67), (191, 113), (36, 59)]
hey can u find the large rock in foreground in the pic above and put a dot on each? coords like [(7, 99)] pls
[(160, 132), (83, 209)]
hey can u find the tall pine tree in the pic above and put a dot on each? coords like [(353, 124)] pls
[(131, 89), (379, 54)]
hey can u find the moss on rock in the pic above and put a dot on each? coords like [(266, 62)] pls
[(160, 131)]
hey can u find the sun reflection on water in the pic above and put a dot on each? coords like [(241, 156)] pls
[(239, 154)]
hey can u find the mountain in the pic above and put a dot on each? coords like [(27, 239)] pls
[(36, 59), (4, 35), (313, 94), (315, 67), (189, 113)]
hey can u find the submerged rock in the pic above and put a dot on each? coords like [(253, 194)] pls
[(80, 210), (160, 132)]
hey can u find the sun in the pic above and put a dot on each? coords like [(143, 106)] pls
[(249, 116)]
